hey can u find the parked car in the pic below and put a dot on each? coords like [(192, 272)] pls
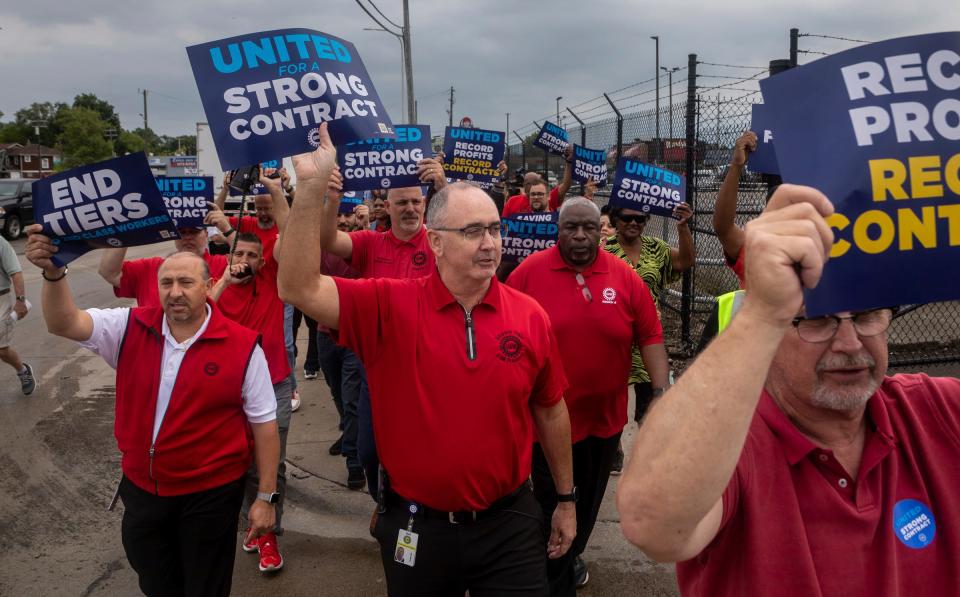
[(16, 206)]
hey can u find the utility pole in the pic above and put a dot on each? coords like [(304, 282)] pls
[(36, 130), (670, 72), (656, 39), (145, 125), (408, 63), (450, 111), (558, 109), (506, 141)]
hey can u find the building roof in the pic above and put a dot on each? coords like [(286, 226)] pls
[(33, 149)]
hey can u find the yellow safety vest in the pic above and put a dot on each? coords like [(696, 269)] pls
[(727, 306)]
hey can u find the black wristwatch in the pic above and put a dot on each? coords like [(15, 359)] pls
[(22, 298), (573, 496)]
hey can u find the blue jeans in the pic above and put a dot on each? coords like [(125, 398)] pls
[(290, 343), (342, 371)]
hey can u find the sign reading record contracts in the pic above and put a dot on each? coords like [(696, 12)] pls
[(265, 94), (472, 154)]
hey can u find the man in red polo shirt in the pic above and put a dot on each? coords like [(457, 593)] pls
[(599, 309), (520, 204), (785, 461), (137, 278), (462, 371), (247, 294), (270, 210), (401, 251)]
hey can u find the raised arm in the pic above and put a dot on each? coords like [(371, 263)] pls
[(685, 255), (567, 181), (274, 186), (670, 496), (300, 280), (111, 265), (725, 210), (221, 198), (332, 240), (61, 314)]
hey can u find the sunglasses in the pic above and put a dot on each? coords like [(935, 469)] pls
[(639, 219)]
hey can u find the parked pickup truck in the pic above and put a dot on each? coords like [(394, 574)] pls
[(16, 206)]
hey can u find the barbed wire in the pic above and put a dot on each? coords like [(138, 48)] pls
[(823, 36), (812, 52), (731, 65)]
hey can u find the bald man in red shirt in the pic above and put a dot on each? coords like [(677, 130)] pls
[(785, 461), (462, 371)]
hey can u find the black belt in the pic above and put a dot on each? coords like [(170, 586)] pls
[(4, 291), (462, 516)]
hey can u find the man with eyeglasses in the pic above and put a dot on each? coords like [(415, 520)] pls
[(462, 370), (785, 461), (599, 309)]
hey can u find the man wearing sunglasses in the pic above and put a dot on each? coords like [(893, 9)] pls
[(785, 461), (599, 309), (462, 370)]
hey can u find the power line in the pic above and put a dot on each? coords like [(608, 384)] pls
[(731, 65), (375, 20), (856, 41), (383, 15)]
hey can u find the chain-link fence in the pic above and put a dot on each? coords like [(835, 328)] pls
[(688, 120)]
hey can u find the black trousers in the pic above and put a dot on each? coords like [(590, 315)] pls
[(592, 460), (502, 554), (182, 546), (311, 363), (644, 396)]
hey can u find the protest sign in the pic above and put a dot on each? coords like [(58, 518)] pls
[(114, 203), (589, 164), (647, 188), (875, 129), (187, 198), (266, 93), (764, 157), (472, 154), (385, 163), (528, 233), (350, 201), (552, 138)]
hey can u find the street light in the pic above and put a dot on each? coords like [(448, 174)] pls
[(656, 39), (670, 72), (558, 109), (402, 65)]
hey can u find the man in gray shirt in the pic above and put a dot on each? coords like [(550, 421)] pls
[(10, 312)]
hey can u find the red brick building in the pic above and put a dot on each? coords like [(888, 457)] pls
[(27, 161)]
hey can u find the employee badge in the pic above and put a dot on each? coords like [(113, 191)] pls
[(406, 552)]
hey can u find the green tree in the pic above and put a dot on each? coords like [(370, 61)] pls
[(44, 113), (102, 107), (149, 137), (129, 142), (82, 138)]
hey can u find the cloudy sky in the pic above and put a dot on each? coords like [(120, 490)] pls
[(501, 56)]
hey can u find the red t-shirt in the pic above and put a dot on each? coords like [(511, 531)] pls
[(256, 305), (383, 255), (738, 267), (268, 236), (595, 337), (520, 204), (138, 278), (794, 523), (453, 433)]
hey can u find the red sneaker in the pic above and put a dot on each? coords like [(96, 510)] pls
[(270, 558), (252, 545)]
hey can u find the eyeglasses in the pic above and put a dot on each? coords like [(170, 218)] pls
[(540, 195), (823, 329), (474, 232), (638, 218), (587, 296)]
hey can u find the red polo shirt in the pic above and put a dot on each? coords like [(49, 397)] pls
[(453, 433), (383, 255), (138, 278), (794, 522), (256, 305), (268, 236), (520, 204), (595, 337)]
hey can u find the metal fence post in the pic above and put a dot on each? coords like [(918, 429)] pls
[(583, 139), (686, 298), (794, 35), (619, 126), (523, 150)]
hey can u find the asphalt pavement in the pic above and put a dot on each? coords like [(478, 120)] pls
[(59, 467)]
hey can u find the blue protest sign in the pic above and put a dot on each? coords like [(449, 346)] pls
[(350, 200), (875, 129), (552, 138), (472, 154), (647, 188), (589, 164), (385, 163), (114, 203), (187, 198), (266, 93), (525, 234), (764, 157)]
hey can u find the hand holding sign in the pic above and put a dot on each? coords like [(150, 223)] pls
[(682, 213), (786, 249), (40, 250), (746, 144), (431, 172), (315, 167)]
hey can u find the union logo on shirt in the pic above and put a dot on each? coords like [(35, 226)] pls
[(419, 259), (211, 368), (609, 296), (510, 345)]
